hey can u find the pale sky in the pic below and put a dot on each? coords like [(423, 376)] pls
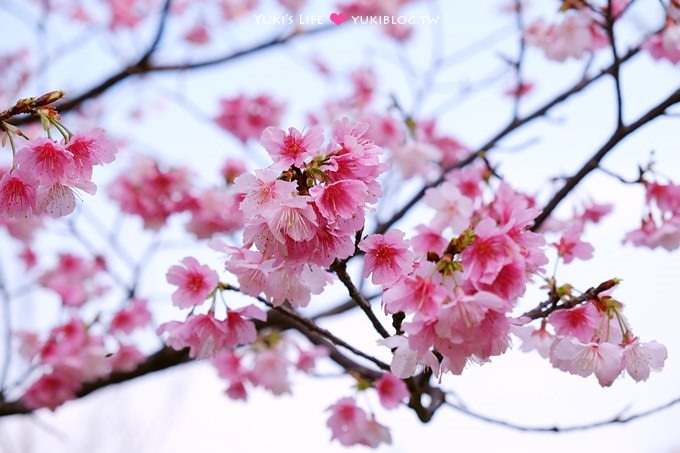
[(183, 409)]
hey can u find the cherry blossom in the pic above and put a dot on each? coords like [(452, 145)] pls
[(570, 245), (391, 391), (350, 425), (134, 316), (246, 117), (575, 35), (194, 282), (387, 257), (292, 147), (640, 358), (602, 359)]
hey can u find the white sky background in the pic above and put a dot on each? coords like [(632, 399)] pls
[(183, 409)]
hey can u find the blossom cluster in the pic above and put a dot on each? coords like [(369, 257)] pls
[(303, 211), (75, 353), (665, 45), (155, 193), (578, 33), (593, 338), (46, 174), (660, 226), (459, 278), (351, 425), (266, 365)]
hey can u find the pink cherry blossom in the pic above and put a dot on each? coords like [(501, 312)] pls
[(491, 250), (215, 211), (428, 240), (56, 200), (307, 358), (126, 359), (293, 218), (127, 13), (247, 116), (665, 196), (452, 150), (293, 5), (650, 234), (152, 192), (539, 340), (387, 257), (194, 282), (230, 368), (453, 209), (570, 245), (134, 316), (575, 35), (232, 168), (341, 199), (350, 425), (51, 390), (665, 45), (233, 9), (375, 434), (405, 359), (292, 147), (262, 191), (640, 358), (202, 334), (581, 322), (384, 130), (347, 421), (29, 344), (198, 34), (391, 391), (238, 329), (594, 212), (416, 158), (89, 149), (418, 293), (17, 196), (271, 372), (364, 83), (74, 279), (49, 161), (605, 360)]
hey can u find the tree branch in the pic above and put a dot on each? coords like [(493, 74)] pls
[(618, 419), (144, 66), (514, 125), (594, 161), (356, 296)]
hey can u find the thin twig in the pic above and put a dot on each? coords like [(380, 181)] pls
[(618, 419)]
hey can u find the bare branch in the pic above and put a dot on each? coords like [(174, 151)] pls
[(617, 419), (356, 296), (489, 145), (620, 134)]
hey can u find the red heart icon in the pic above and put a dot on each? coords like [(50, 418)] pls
[(338, 18)]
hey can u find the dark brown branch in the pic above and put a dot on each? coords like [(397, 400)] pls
[(519, 79), (161, 360), (159, 31), (514, 125), (556, 303), (616, 65), (358, 298), (167, 358), (144, 66), (618, 419), (593, 163)]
